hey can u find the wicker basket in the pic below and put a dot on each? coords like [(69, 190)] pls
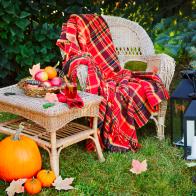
[(39, 91)]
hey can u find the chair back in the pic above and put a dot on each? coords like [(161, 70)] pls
[(130, 39)]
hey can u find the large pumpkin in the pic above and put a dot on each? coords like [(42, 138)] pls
[(19, 158)]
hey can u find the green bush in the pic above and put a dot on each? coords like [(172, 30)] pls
[(27, 37), (169, 23), (29, 30), (176, 36), (147, 13)]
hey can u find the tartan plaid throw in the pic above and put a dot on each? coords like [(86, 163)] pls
[(129, 97)]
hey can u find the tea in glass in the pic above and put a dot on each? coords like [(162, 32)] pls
[(71, 90)]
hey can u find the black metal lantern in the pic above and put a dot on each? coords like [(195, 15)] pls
[(179, 101), (189, 127), (191, 76)]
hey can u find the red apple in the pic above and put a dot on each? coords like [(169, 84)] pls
[(41, 76), (56, 81)]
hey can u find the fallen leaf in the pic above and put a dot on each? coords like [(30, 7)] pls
[(47, 105), (155, 69), (51, 97), (15, 187), (34, 69), (191, 164), (61, 184), (138, 167)]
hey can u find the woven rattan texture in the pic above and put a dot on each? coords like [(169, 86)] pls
[(36, 104), (52, 118)]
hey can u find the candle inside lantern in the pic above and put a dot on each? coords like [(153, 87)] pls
[(190, 131)]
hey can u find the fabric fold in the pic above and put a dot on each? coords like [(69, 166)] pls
[(71, 102), (129, 97)]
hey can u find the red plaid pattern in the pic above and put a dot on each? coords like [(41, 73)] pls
[(129, 97)]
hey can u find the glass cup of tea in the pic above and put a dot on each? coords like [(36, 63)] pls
[(71, 90)]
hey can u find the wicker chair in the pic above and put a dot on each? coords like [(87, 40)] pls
[(133, 44)]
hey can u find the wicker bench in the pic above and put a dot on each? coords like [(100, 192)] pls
[(133, 44), (51, 128)]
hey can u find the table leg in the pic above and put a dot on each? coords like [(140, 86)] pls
[(96, 140), (54, 157)]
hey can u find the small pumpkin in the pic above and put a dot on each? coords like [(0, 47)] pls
[(33, 186), (46, 177), (20, 157)]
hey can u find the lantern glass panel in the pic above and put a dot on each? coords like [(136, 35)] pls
[(179, 101), (179, 107)]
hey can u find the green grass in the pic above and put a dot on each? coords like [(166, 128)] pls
[(167, 173)]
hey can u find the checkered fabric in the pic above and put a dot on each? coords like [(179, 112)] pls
[(129, 97)]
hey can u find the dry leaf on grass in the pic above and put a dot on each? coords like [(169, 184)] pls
[(15, 187), (191, 164), (138, 167), (61, 184)]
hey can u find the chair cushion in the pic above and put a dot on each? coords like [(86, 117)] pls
[(135, 65)]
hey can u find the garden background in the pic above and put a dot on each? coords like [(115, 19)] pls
[(28, 33)]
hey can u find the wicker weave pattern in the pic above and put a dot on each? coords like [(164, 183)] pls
[(129, 36), (31, 108), (35, 104), (40, 91)]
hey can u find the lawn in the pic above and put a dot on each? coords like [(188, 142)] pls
[(167, 173)]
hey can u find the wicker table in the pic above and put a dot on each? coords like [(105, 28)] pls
[(51, 128)]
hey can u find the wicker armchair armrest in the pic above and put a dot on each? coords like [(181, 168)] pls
[(164, 65)]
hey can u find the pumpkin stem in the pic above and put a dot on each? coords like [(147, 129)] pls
[(18, 132)]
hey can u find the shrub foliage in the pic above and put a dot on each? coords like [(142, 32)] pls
[(29, 29), (176, 36)]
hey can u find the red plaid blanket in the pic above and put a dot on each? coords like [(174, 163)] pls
[(129, 97)]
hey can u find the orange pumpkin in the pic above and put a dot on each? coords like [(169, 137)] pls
[(20, 158), (46, 177), (33, 186)]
